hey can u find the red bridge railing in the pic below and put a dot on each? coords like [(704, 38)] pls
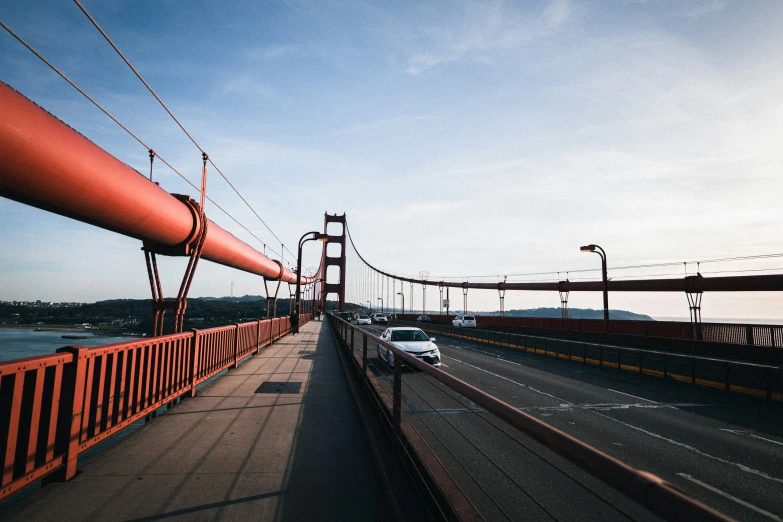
[(54, 407)]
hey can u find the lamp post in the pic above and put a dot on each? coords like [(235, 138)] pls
[(600, 251), (403, 301), (369, 308), (304, 239), (381, 300)]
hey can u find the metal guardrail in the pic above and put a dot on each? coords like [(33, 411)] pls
[(768, 335), (644, 488), (759, 380), (54, 407)]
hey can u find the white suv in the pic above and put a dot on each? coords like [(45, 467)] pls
[(379, 318), (464, 321)]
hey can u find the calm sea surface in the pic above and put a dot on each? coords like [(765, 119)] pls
[(16, 343)]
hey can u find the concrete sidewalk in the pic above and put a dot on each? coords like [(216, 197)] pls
[(242, 449)]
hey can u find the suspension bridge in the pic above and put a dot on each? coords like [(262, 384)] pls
[(286, 417)]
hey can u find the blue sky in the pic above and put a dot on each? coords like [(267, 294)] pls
[(461, 138)]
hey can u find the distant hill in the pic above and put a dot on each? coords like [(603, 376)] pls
[(233, 299), (136, 314), (230, 299), (577, 313)]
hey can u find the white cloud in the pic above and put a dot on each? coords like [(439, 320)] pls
[(699, 8), (247, 86), (273, 52), (481, 29), (380, 124)]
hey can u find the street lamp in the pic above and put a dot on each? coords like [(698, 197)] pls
[(369, 308), (403, 301), (304, 239), (381, 300), (600, 251)]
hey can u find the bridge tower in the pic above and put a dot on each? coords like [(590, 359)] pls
[(338, 261)]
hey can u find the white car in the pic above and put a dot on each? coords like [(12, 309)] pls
[(379, 318), (363, 319), (464, 321), (412, 340)]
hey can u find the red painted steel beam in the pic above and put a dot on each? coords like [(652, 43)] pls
[(46, 164)]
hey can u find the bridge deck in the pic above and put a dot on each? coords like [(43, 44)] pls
[(233, 452)]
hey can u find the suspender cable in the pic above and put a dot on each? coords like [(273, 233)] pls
[(149, 88)]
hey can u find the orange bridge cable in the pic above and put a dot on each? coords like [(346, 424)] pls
[(629, 267), (770, 282), (652, 265), (250, 207), (149, 88), (126, 129)]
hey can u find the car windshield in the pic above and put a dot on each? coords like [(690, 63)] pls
[(408, 335), (470, 318), (363, 317), (379, 315)]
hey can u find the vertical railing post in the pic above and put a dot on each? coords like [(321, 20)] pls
[(396, 399), (236, 345), (73, 384), (194, 355), (364, 355), (353, 330), (258, 337)]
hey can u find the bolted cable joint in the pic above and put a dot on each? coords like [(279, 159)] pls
[(205, 158), (152, 158)]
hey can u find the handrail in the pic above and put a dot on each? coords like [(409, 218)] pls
[(647, 489), (64, 403)]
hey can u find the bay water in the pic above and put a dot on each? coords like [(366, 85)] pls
[(16, 343)]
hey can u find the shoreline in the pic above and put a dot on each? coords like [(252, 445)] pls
[(101, 332)]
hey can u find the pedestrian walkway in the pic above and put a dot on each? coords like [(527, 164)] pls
[(276, 439)]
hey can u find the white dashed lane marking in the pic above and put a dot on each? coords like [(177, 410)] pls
[(510, 380), (731, 497)]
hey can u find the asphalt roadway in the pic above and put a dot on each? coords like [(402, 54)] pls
[(725, 451)]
